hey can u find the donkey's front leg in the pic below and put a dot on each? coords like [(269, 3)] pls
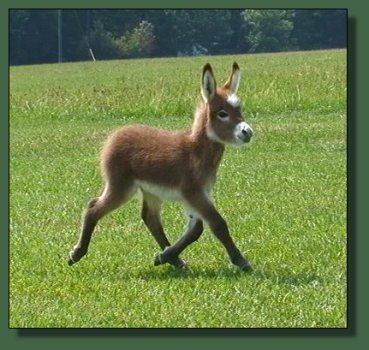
[(202, 204), (220, 229), (193, 232)]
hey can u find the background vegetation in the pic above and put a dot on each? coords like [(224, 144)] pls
[(114, 34), (284, 197)]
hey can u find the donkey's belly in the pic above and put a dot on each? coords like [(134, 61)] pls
[(164, 193)]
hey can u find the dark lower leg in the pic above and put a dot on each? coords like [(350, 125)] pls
[(194, 231), (151, 217), (201, 203), (89, 222), (220, 230), (111, 198), (152, 221)]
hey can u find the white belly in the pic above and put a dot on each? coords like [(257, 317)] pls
[(164, 193)]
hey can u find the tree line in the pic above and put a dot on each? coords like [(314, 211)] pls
[(115, 34)]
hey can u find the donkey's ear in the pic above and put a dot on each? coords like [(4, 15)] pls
[(208, 84), (234, 79)]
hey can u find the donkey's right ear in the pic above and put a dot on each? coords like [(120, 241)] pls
[(208, 84)]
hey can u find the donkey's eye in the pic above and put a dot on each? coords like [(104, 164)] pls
[(222, 114)]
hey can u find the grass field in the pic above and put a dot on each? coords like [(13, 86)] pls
[(284, 197)]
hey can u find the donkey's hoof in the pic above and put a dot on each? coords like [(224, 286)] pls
[(247, 268), (243, 264), (178, 263), (157, 260), (71, 260)]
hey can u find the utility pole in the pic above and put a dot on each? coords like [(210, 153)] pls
[(60, 37), (88, 37)]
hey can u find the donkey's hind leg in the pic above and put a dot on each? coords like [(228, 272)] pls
[(151, 216), (113, 196)]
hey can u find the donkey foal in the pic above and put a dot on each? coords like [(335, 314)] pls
[(179, 166)]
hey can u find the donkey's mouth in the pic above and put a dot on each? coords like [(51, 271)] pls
[(243, 138), (246, 138)]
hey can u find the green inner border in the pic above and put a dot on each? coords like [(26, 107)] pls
[(352, 338)]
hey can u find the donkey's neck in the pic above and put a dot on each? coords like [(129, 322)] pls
[(209, 151), (200, 121)]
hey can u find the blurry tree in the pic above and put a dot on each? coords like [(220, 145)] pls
[(269, 30), (138, 42), (114, 34), (319, 29)]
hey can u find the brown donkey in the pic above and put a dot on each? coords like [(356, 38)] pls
[(179, 166)]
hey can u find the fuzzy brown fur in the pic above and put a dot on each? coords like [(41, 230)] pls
[(183, 163)]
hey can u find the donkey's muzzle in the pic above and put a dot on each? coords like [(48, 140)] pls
[(244, 132)]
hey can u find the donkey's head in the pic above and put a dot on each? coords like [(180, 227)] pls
[(225, 123)]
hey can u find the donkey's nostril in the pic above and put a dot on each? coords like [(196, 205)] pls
[(247, 131)]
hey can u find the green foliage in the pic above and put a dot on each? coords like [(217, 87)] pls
[(33, 36), (316, 29), (270, 30), (143, 33), (104, 44), (139, 42), (284, 197)]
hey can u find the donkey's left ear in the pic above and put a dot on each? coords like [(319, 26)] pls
[(208, 84), (234, 79)]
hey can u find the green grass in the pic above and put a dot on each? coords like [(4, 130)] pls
[(284, 197)]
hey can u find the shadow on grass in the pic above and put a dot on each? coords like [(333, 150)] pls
[(168, 273), (230, 273), (292, 279)]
